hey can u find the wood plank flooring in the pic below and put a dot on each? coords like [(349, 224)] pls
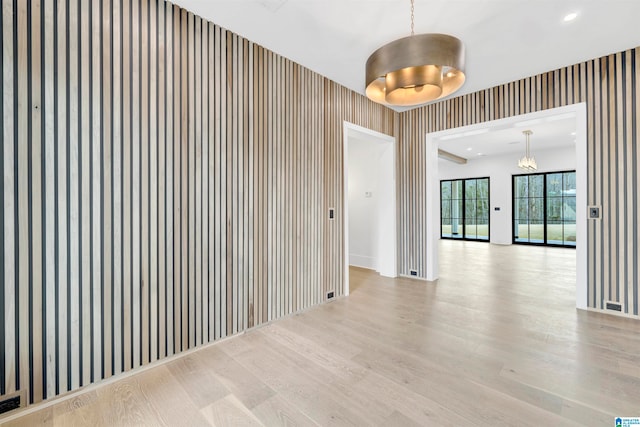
[(496, 341)]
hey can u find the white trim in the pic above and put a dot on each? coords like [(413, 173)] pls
[(386, 139), (405, 276), (610, 312), (433, 214)]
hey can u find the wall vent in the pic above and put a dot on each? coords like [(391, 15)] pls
[(330, 295), (615, 306), (413, 272), (9, 404)]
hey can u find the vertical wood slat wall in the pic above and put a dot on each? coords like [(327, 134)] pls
[(610, 87), (165, 184)]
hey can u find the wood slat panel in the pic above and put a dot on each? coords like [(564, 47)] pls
[(136, 187), (49, 283), (36, 231), (153, 184), (606, 86), (107, 190), (85, 191), (97, 206), (62, 220), (166, 183), (116, 179), (163, 188), (8, 215), (145, 250), (126, 188)]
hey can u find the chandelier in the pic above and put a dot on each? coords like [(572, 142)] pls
[(416, 69), (527, 162)]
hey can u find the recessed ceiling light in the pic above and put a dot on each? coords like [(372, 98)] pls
[(469, 149), (480, 154), (570, 17), (573, 134)]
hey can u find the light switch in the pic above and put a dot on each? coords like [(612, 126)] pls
[(594, 212)]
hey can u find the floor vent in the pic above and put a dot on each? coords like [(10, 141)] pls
[(9, 404), (615, 306)]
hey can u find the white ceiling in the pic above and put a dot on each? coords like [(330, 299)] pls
[(505, 39), (549, 133)]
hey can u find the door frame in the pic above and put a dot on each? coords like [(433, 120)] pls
[(433, 192), (390, 250)]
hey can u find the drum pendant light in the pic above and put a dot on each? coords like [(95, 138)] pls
[(416, 69)]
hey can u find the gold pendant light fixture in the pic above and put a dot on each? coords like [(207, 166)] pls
[(416, 69), (528, 162)]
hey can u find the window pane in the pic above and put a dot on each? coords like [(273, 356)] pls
[(536, 185), (521, 186), (470, 228), (445, 209), (536, 209), (482, 227), (536, 231), (483, 188), (456, 228), (569, 209), (470, 189), (445, 190), (456, 189), (521, 209), (569, 184), (570, 234), (482, 210), (470, 209), (554, 185), (554, 208), (555, 232), (521, 231)]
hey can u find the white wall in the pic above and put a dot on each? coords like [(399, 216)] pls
[(364, 212), (500, 169)]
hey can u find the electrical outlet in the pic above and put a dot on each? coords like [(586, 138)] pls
[(330, 295), (594, 212), (9, 404), (612, 305)]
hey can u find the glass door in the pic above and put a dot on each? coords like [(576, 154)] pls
[(464, 210), (544, 209)]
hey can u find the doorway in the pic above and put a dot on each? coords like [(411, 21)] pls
[(575, 111), (370, 239)]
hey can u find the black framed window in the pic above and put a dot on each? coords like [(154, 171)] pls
[(544, 208), (464, 209)]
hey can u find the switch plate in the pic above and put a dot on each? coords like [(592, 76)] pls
[(331, 213), (594, 212)]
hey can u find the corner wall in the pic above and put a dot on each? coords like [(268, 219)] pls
[(165, 184), (610, 87)]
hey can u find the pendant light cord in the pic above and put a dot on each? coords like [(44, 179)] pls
[(412, 33)]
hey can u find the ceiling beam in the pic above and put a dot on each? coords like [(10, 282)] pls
[(451, 157)]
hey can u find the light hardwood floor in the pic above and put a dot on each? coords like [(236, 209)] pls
[(496, 341)]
